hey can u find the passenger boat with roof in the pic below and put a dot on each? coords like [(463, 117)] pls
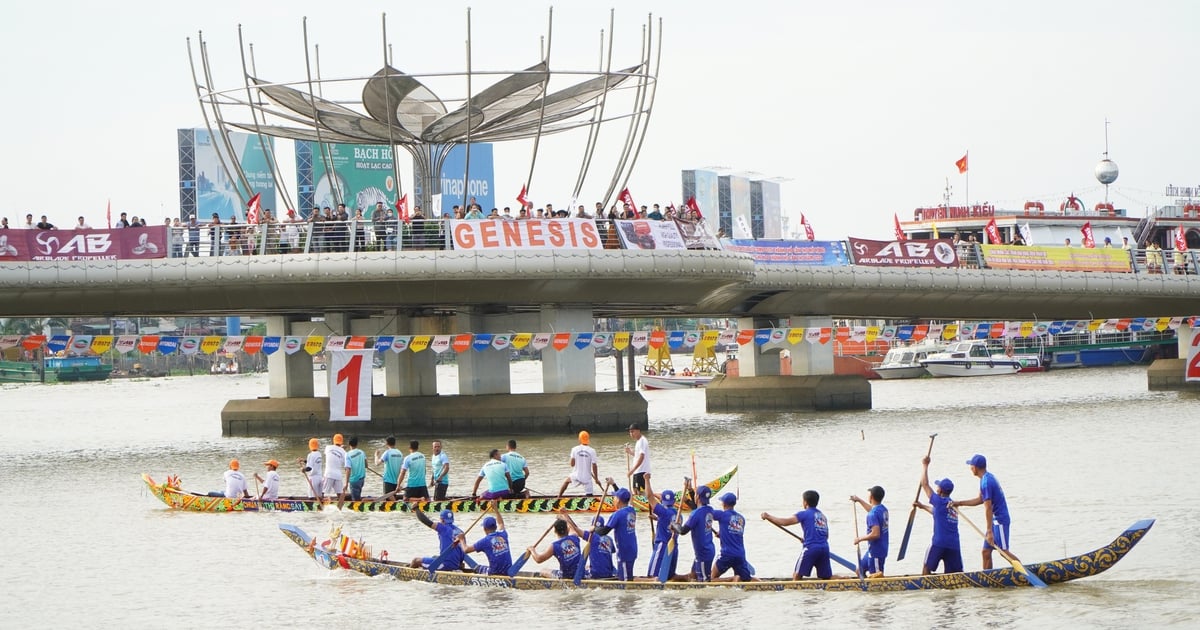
[(970, 358), (340, 552), (905, 361)]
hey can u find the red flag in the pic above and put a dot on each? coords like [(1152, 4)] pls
[(254, 209), (627, 199), (1088, 241), (808, 231), (961, 163), (694, 207), (992, 231), (899, 232), (108, 214), (1180, 240), (402, 209), (523, 198)]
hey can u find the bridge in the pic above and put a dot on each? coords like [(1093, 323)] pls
[(419, 292)]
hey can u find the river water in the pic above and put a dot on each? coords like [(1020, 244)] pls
[(1081, 454)]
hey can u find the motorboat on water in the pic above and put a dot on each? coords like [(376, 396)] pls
[(905, 361), (970, 358)]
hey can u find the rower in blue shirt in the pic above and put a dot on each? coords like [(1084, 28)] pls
[(700, 526), (876, 536), (731, 533), (663, 508), (494, 545), (622, 524), (816, 537), (600, 556), (991, 497), (945, 549), (566, 549), (450, 556)]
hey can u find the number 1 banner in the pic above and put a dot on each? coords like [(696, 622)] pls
[(350, 385)]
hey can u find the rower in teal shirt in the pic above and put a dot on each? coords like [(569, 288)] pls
[(496, 473), (517, 471), (358, 469)]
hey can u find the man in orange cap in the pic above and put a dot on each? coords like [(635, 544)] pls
[(235, 482), (312, 468), (270, 489), (584, 467), (337, 468)]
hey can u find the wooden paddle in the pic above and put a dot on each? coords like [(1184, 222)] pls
[(664, 569), (1033, 580), (516, 566), (857, 545), (438, 560), (316, 499), (587, 548), (912, 514), (833, 556)]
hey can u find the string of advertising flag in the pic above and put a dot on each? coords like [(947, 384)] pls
[(561, 341)]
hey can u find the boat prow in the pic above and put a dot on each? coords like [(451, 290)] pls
[(327, 554)]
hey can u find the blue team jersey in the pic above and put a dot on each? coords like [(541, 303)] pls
[(989, 488), (600, 555), (699, 525), (945, 522), (495, 547), (494, 471), (816, 528), (454, 554), (733, 529), (391, 465), (566, 549), (515, 464), (414, 463), (878, 516), (440, 461), (665, 516), (622, 523), (358, 464)]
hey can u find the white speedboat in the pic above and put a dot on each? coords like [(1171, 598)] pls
[(667, 381), (905, 362), (970, 358)]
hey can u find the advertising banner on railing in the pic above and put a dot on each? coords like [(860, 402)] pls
[(919, 253), (696, 235), (1055, 258), (648, 234), (779, 252), (527, 234), (127, 243)]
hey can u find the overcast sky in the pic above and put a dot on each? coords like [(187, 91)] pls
[(862, 106)]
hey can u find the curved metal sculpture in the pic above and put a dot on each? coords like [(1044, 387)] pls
[(394, 108)]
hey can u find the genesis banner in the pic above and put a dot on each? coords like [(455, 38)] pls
[(126, 243), (931, 253), (527, 234)]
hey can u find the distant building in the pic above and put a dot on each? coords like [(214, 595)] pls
[(744, 207)]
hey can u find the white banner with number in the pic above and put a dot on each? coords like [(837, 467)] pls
[(1192, 367), (350, 384)]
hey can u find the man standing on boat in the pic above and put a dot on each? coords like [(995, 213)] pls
[(337, 469), (414, 468), (732, 534), (640, 468), (623, 525), (699, 525), (312, 468), (876, 536), (450, 555), (995, 508), (356, 459), (584, 468), (945, 547), (566, 549), (235, 482), (441, 472), (494, 545), (816, 537), (517, 471), (270, 489), (496, 474), (391, 460)]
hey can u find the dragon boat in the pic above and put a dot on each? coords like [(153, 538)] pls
[(171, 493), (343, 552)]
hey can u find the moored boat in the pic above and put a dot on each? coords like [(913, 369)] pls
[(172, 494), (669, 381), (361, 560), (905, 361), (970, 358)]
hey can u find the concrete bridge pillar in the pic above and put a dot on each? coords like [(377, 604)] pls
[(288, 375), (755, 360), (811, 359), (411, 373), (483, 372), (570, 370)]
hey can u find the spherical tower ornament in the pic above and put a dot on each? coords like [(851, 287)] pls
[(1106, 171)]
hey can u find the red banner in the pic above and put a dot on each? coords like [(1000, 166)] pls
[(939, 253), (462, 342), (127, 243)]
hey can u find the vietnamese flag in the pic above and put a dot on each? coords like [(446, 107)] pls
[(402, 209), (961, 163), (254, 209)]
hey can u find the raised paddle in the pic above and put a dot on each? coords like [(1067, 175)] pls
[(912, 514), (587, 548), (664, 569), (438, 560), (516, 566), (832, 556), (857, 545), (1020, 568)]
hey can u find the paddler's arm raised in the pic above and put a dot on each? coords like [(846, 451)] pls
[(421, 517)]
